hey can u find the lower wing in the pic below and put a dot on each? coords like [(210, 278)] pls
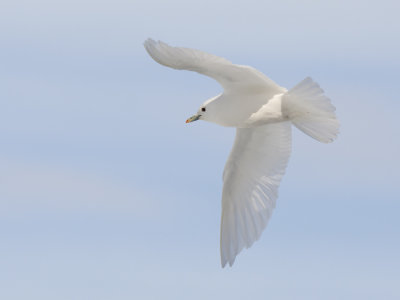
[(251, 178)]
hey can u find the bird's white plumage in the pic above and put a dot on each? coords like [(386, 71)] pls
[(263, 113), (251, 179), (311, 111), (232, 77)]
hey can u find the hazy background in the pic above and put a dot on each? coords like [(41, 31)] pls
[(106, 193)]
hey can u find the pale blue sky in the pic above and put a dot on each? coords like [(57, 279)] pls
[(106, 193)]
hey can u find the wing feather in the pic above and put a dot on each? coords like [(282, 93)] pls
[(251, 179), (232, 77)]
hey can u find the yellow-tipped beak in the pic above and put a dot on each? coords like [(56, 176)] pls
[(193, 118)]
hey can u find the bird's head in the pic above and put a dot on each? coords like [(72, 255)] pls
[(205, 111)]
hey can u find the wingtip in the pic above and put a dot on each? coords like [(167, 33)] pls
[(225, 262), (148, 42)]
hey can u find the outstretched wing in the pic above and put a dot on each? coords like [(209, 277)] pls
[(232, 77), (251, 179)]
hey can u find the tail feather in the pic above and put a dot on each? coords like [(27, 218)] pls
[(311, 111)]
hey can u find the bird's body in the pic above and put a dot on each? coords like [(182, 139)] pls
[(230, 111), (263, 112)]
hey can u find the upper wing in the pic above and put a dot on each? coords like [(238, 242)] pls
[(251, 179), (230, 76)]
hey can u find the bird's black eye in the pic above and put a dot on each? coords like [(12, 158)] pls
[(203, 109)]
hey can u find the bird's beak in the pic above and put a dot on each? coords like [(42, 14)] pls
[(193, 118)]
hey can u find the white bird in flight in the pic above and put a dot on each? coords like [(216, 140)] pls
[(263, 112)]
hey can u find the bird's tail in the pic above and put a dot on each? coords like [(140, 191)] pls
[(311, 111)]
